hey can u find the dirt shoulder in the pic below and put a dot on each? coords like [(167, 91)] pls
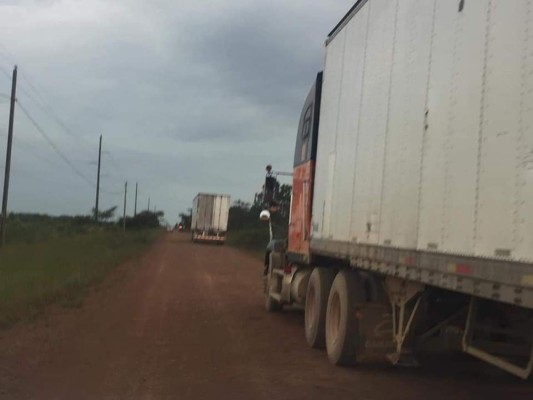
[(186, 321)]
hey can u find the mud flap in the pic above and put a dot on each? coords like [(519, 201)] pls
[(375, 333)]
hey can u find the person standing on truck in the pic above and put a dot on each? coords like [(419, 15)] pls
[(278, 223)]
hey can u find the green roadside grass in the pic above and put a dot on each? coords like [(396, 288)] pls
[(60, 270), (38, 228)]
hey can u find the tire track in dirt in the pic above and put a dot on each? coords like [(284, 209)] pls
[(187, 321)]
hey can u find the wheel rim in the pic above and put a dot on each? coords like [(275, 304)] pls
[(310, 307), (334, 317)]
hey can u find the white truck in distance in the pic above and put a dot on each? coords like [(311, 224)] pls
[(412, 205), (209, 221)]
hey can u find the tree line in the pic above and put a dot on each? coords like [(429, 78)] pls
[(245, 215)]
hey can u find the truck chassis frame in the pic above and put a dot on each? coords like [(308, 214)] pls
[(405, 275)]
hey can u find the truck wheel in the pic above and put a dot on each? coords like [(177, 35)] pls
[(342, 324), (272, 285), (272, 305), (316, 303)]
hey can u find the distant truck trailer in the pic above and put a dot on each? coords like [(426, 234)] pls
[(210, 218)]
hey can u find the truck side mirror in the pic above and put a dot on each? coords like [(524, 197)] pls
[(265, 215)]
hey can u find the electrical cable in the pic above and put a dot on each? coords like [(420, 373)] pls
[(40, 100), (3, 71), (54, 146), (48, 110)]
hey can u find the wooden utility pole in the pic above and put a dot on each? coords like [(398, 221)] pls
[(148, 203), (135, 209), (98, 181), (8, 156), (124, 215)]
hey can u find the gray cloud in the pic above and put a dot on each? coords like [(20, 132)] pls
[(189, 95)]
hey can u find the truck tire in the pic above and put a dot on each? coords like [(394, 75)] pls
[(271, 304), (316, 303), (342, 324)]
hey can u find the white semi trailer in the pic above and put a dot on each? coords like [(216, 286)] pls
[(210, 218), (412, 208)]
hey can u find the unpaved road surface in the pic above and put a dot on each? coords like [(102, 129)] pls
[(186, 321)]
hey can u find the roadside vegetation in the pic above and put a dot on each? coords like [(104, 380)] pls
[(55, 260), (247, 232)]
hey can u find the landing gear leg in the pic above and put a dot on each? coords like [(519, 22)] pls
[(405, 298)]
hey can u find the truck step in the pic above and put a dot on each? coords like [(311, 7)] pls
[(276, 296)]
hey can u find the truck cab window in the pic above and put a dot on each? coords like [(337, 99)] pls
[(306, 131), (306, 128)]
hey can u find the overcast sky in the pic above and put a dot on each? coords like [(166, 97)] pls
[(189, 95)]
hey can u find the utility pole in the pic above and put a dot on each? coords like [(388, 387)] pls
[(98, 181), (135, 209), (124, 215), (8, 156), (148, 204)]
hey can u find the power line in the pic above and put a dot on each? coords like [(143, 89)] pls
[(40, 100), (48, 110), (33, 86), (50, 113), (30, 147), (8, 156), (19, 139), (44, 105), (29, 175), (24, 145), (113, 160), (10, 58), (54, 146), (6, 53), (4, 71)]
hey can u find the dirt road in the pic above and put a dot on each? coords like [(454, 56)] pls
[(186, 322)]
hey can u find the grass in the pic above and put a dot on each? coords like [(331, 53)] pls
[(60, 269), (35, 228)]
